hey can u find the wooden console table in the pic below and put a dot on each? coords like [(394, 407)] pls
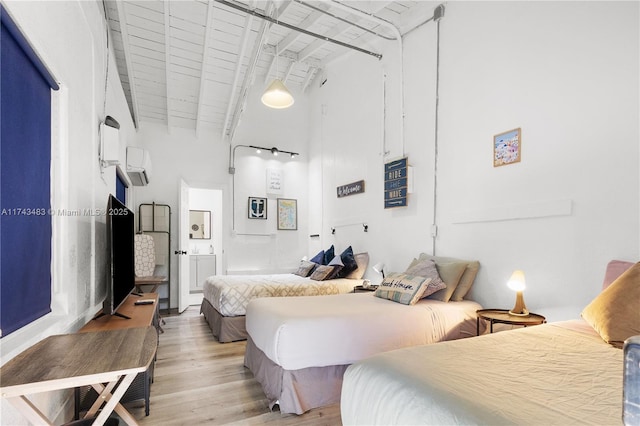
[(140, 315), (60, 362)]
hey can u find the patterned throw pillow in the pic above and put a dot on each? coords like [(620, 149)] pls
[(428, 269), (402, 288), (322, 272), (337, 264), (305, 268)]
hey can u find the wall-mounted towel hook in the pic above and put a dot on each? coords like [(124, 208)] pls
[(366, 227), (333, 231)]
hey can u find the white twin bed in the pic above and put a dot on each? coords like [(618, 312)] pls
[(562, 373), (552, 374), (299, 347), (226, 297)]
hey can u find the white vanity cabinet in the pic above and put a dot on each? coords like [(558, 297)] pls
[(201, 267)]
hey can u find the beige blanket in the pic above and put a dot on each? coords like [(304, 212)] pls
[(552, 374)]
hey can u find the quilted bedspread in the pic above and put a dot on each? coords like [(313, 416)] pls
[(230, 294)]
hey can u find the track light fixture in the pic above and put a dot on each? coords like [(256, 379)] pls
[(259, 149)]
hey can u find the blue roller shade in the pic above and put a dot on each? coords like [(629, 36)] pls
[(25, 161)]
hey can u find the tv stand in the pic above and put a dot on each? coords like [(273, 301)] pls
[(136, 315), (117, 314)]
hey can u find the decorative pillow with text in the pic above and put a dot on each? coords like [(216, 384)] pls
[(402, 288)]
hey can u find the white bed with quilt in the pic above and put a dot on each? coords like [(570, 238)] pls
[(299, 347), (568, 372), (226, 296)]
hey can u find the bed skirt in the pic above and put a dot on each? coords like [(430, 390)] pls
[(295, 391), (225, 329)]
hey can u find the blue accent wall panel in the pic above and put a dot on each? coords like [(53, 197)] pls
[(25, 162)]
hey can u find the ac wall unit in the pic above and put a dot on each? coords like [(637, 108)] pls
[(138, 166)]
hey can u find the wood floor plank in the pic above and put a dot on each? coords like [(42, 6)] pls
[(199, 381)]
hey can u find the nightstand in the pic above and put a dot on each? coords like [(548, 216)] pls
[(361, 289), (502, 316)]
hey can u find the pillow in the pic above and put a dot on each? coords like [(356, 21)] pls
[(468, 276), (337, 264), (362, 260), (322, 272), (349, 263), (402, 288), (318, 258), (328, 255), (428, 269), (305, 268), (614, 312), (450, 273)]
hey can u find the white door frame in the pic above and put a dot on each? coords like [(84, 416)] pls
[(183, 247)]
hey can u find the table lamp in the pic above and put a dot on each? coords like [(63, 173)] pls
[(517, 284), (379, 268)]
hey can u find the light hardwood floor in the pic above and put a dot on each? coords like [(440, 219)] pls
[(201, 381)]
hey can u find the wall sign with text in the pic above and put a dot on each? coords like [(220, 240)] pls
[(396, 183), (350, 189), (274, 181)]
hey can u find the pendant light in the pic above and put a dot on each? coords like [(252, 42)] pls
[(277, 95)]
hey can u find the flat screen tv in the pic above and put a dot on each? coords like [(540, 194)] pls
[(120, 255)]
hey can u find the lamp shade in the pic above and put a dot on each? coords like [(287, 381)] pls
[(516, 282), (277, 95), (379, 268)]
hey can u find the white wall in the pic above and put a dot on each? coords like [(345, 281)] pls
[(70, 37), (203, 162), (567, 74)]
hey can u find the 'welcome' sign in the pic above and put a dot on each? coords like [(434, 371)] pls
[(351, 189)]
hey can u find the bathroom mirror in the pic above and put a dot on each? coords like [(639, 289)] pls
[(199, 225)]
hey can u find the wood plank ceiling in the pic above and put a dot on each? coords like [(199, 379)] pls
[(191, 63)]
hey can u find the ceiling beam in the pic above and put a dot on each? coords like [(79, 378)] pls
[(205, 62), (239, 63), (249, 76), (167, 61), (289, 40), (127, 55)]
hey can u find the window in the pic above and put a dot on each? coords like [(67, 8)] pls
[(121, 187), (25, 182)]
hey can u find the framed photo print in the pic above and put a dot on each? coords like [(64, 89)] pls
[(257, 208), (507, 147), (287, 214)]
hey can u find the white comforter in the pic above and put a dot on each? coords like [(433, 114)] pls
[(300, 332), (552, 374), (230, 294)]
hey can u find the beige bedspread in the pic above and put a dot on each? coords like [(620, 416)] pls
[(552, 374)]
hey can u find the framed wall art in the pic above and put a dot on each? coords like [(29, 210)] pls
[(287, 214), (507, 147), (257, 208)]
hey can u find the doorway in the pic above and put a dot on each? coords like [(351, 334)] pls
[(201, 242)]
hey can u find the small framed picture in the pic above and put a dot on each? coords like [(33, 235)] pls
[(287, 214), (507, 147), (257, 208)]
